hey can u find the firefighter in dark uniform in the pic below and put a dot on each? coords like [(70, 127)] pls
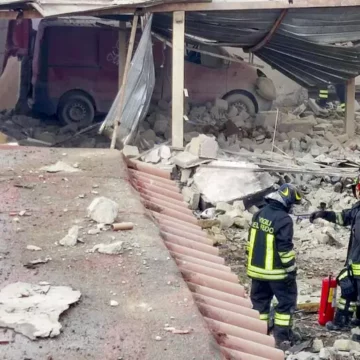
[(349, 277), (323, 96), (271, 262)]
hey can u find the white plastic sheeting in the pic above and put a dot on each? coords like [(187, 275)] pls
[(138, 91), (224, 184)]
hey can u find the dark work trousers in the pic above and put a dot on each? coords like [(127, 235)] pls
[(262, 292), (340, 92)]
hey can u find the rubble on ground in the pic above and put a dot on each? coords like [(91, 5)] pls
[(231, 160), (103, 210), (71, 238), (33, 310)]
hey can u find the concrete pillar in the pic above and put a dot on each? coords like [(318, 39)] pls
[(350, 108), (178, 53)]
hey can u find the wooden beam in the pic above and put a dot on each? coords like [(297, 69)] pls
[(124, 80), (122, 52), (350, 108), (178, 53)]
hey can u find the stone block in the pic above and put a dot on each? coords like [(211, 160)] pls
[(192, 197), (223, 206), (185, 159), (226, 221)]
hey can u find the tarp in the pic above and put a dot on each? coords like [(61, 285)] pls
[(138, 91)]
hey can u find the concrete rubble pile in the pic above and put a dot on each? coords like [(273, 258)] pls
[(32, 131), (230, 161), (342, 349)]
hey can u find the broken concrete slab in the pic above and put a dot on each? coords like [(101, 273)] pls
[(221, 104), (115, 248), (60, 166), (228, 181), (34, 310), (103, 210), (71, 238)]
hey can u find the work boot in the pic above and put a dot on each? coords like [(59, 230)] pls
[(341, 321), (355, 334), (283, 337)]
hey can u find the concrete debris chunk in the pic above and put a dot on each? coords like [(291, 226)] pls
[(185, 159), (60, 166), (165, 152), (226, 221), (152, 156), (223, 206), (204, 146), (103, 210), (299, 110), (130, 151), (33, 248), (346, 345), (115, 248), (221, 104), (7, 336), (34, 310), (221, 183), (71, 238), (114, 303), (192, 197), (316, 108), (317, 345)]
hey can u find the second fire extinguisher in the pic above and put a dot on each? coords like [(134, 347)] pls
[(327, 300)]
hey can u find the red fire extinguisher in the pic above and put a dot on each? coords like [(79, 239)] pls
[(327, 300)]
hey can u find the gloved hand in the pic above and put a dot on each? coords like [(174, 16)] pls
[(316, 215), (290, 278)]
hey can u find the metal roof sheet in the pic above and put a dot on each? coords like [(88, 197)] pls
[(220, 298), (303, 46)]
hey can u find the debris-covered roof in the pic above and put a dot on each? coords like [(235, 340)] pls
[(303, 44)]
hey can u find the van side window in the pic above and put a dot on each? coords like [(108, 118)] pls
[(205, 59)]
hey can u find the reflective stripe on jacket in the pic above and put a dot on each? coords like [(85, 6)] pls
[(270, 247)]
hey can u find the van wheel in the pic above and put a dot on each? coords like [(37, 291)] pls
[(241, 101), (76, 108)]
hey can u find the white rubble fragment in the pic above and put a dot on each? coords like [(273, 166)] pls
[(317, 345), (103, 210), (325, 354), (346, 345), (219, 183), (130, 151), (114, 303), (60, 166), (152, 156), (185, 160), (204, 146), (115, 248), (164, 152), (223, 206), (71, 238), (192, 197), (34, 310), (94, 231), (33, 248)]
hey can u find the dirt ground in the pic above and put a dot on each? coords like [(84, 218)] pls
[(144, 280)]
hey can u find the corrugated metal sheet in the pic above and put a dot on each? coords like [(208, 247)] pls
[(302, 47), (220, 298)]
